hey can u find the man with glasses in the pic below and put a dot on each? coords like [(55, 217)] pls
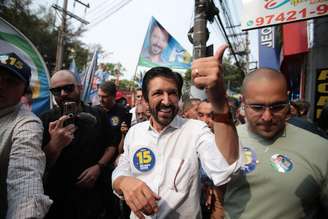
[(22, 161), (285, 170), (77, 148)]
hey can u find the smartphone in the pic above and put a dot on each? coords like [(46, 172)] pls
[(70, 109)]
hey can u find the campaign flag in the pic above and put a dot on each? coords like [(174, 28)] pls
[(74, 70), (89, 91), (12, 40), (161, 49)]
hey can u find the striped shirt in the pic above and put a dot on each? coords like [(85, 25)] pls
[(22, 164)]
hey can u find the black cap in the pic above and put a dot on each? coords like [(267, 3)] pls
[(15, 65)]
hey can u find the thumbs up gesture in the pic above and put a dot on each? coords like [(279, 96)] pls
[(208, 73)]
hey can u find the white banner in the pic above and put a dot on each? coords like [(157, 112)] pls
[(261, 13)]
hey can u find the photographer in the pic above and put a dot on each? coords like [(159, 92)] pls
[(77, 146)]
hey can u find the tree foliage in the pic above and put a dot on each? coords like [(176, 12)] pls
[(127, 85), (233, 76), (39, 27)]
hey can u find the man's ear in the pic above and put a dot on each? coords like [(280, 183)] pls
[(289, 114), (79, 87)]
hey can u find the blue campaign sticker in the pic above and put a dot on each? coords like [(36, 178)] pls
[(249, 160), (144, 159), (281, 163)]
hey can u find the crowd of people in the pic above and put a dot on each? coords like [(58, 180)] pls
[(254, 157)]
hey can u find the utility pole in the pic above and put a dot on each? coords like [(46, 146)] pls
[(200, 34), (247, 53), (60, 42), (199, 38), (62, 30)]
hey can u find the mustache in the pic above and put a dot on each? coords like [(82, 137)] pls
[(156, 45), (162, 106), (266, 123)]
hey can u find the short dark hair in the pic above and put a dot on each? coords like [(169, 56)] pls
[(187, 104), (161, 72), (109, 88), (138, 89), (156, 24)]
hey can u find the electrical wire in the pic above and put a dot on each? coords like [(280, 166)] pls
[(110, 12), (99, 9)]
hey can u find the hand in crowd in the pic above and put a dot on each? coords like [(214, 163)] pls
[(208, 191), (207, 73), (139, 197), (88, 177), (124, 128), (213, 201), (61, 136)]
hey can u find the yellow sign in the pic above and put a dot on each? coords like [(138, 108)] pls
[(321, 95)]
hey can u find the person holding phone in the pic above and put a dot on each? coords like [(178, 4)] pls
[(76, 152)]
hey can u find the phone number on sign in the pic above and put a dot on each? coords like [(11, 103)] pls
[(288, 16)]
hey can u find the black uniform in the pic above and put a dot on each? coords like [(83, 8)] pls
[(116, 115), (86, 149)]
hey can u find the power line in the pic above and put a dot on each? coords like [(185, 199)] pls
[(229, 43), (100, 8), (105, 10), (111, 11)]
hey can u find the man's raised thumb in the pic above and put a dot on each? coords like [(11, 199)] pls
[(220, 51)]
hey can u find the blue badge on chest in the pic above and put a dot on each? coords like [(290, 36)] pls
[(281, 163), (249, 160), (144, 159)]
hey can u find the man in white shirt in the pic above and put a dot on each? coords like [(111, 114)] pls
[(158, 173)]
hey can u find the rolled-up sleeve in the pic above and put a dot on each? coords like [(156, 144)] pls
[(27, 161), (212, 160)]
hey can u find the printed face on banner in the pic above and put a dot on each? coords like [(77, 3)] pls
[(158, 41), (161, 49)]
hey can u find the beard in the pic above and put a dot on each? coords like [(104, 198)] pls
[(168, 113), (156, 49), (72, 98)]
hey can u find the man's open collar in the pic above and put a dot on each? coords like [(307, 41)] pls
[(175, 123)]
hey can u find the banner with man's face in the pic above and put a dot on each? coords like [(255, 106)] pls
[(161, 49)]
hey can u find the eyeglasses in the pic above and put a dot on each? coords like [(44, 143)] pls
[(274, 108), (69, 88)]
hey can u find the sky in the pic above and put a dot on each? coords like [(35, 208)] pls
[(121, 34)]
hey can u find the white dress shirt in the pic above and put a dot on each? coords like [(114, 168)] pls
[(168, 162)]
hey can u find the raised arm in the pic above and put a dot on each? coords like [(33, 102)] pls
[(207, 73)]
